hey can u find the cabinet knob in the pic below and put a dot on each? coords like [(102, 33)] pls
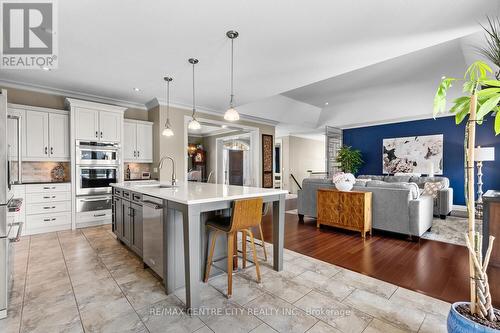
[(101, 134), (96, 134), (46, 150), (51, 150)]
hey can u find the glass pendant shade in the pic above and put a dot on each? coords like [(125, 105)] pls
[(167, 131), (232, 115), (194, 124)]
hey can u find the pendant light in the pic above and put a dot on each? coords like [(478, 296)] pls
[(231, 113), (167, 131), (194, 124)]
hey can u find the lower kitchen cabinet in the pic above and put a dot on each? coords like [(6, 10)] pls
[(136, 225), (127, 221)]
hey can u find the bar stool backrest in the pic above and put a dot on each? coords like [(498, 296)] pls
[(247, 213)]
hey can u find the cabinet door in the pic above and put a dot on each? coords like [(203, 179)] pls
[(136, 212), (110, 126), (129, 142), (118, 217), (87, 124), (145, 142), (12, 133), (127, 228), (37, 135), (59, 136)]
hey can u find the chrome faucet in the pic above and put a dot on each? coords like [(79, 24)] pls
[(160, 165)]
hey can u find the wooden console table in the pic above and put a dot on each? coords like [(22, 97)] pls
[(346, 210)]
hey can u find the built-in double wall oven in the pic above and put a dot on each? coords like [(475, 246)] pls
[(97, 167)]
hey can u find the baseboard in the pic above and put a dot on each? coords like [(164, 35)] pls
[(459, 208)]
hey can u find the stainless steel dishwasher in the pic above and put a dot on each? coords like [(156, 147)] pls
[(152, 252)]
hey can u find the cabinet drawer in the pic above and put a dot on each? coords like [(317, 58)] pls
[(34, 188), (127, 195), (48, 220), (137, 197), (118, 191), (98, 215), (49, 207), (47, 197)]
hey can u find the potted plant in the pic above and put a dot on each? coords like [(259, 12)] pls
[(482, 95), (350, 159)]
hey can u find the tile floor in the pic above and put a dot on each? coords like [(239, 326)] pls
[(85, 281)]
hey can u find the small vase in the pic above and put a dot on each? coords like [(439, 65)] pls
[(344, 186)]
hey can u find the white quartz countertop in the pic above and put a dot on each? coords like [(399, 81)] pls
[(195, 193)]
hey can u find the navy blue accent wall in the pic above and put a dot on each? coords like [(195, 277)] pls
[(369, 141)]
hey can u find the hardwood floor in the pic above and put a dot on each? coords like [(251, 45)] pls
[(433, 268)]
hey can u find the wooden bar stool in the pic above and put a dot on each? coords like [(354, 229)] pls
[(247, 213)]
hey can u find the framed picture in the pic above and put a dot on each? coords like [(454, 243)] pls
[(415, 154), (267, 160)]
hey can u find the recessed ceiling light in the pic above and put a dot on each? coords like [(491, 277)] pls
[(224, 126), (137, 89), (326, 103), (45, 68)]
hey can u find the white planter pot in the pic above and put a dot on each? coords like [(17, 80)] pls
[(344, 186)]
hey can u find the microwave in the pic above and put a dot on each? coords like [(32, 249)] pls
[(97, 153)]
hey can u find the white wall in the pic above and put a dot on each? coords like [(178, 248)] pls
[(300, 155)]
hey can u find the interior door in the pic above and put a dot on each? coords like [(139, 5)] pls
[(37, 135), (59, 136), (87, 124), (145, 142), (129, 141), (110, 126), (236, 167)]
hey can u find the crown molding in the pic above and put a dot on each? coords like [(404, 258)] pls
[(393, 121), (71, 94), (156, 102)]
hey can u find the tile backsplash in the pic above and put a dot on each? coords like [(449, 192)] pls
[(136, 170), (45, 171)]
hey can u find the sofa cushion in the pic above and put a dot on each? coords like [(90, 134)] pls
[(371, 177), (432, 189), (412, 187), (420, 181), (397, 179), (360, 183), (316, 181)]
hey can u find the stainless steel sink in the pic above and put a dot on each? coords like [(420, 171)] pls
[(156, 185)]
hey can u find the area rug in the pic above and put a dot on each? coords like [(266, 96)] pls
[(450, 230)]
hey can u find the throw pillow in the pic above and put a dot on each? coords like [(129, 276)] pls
[(432, 189)]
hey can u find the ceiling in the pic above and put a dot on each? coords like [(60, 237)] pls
[(287, 52)]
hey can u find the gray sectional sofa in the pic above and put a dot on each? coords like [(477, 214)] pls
[(397, 204)]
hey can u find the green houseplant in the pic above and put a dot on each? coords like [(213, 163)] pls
[(481, 98), (350, 159)]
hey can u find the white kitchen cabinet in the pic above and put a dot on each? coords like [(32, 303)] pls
[(87, 124), (46, 135), (37, 136), (144, 142), (110, 126), (129, 141), (98, 125), (59, 136), (12, 132), (138, 141)]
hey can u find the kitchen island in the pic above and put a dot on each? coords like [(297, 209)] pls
[(186, 207)]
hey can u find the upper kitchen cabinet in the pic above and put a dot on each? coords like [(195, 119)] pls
[(44, 133), (96, 121), (138, 141)]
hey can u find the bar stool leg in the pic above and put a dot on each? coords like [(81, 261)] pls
[(244, 247), (262, 241), (210, 256), (257, 268), (230, 244)]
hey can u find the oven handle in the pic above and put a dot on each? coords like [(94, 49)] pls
[(95, 199), (107, 166), (19, 231), (92, 148)]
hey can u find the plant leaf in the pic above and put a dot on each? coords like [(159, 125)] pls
[(491, 83), (460, 116), (440, 97), (497, 123), (487, 107), (487, 93)]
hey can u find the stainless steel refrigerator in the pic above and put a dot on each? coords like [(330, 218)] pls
[(9, 161)]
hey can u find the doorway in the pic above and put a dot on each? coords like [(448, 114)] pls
[(235, 167)]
